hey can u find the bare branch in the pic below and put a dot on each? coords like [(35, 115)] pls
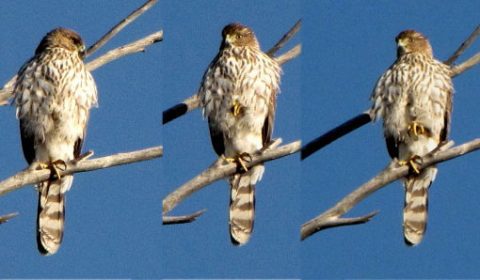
[(285, 38), (117, 28), (334, 134), (221, 169), (332, 217), (30, 177), (170, 220), (189, 104), (193, 102), (465, 45), (291, 54), (7, 217), (134, 47), (459, 69)]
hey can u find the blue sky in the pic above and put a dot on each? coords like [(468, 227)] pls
[(113, 226)]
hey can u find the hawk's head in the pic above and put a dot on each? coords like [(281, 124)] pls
[(63, 38), (238, 35), (411, 41)]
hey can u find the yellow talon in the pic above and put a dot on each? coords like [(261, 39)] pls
[(58, 165), (416, 128), (236, 108), (240, 159), (412, 163), (54, 167)]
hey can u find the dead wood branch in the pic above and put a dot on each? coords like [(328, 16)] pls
[(134, 47), (193, 102), (464, 46), (221, 169), (333, 216), (170, 220), (469, 63), (7, 217), (117, 28), (285, 38), (30, 177), (334, 134)]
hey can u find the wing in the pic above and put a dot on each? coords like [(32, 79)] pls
[(28, 143), (267, 129), (446, 119), (217, 138)]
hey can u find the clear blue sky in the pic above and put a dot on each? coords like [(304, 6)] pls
[(113, 226)]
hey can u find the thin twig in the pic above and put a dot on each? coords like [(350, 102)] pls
[(289, 55), (134, 47), (459, 69), (117, 28), (7, 217), (332, 217), (465, 45), (193, 102), (221, 169), (285, 38), (30, 177), (171, 220)]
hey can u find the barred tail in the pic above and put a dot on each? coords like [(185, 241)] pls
[(51, 214), (242, 204), (416, 205)]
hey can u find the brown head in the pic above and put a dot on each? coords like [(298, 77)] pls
[(238, 35), (63, 38), (411, 41)]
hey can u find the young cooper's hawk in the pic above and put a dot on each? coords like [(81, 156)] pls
[(414, 98), (53, 94), (238, 96)]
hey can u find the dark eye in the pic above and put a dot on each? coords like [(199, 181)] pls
[(239, 36)]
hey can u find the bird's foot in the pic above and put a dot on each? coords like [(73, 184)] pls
[(58, 165), (55, 167), (240, 159), (413, 162), (416, 129), (236, 108)]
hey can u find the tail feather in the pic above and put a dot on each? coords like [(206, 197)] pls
[(415, 211), (242, 204), (51, 214)]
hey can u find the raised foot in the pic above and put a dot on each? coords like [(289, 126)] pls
[(241, 159), (413, 162), (236, 108), (416, 129)]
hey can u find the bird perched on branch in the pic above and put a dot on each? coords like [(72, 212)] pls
[(238, 96), (53, 95), (414, 98)]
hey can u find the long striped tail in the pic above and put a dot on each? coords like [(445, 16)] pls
[(51, 214), (242, 204), (415, 211)]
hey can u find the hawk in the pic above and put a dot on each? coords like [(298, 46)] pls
[(238, 96), (53, 94), (414, 98)]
